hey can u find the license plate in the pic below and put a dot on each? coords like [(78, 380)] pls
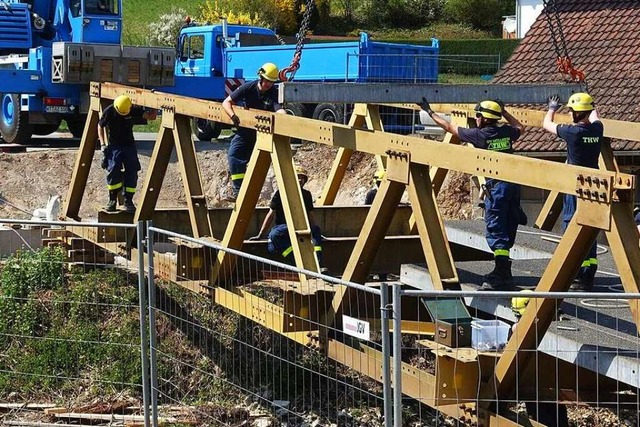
[(56, 109)]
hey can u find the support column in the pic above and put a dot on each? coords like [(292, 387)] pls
[(430, 227), (84, 158)]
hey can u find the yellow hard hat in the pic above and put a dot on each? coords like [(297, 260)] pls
[(580, 102), (489, 110), (300, 171), (122, 104), (269, 71), (519, 304), (379, 175)]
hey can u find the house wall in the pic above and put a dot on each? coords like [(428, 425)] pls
[(526, 13)]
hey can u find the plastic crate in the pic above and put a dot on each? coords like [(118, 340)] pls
[(489, 335)]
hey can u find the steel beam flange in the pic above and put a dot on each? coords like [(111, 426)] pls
[(594, 188), (94, 89), (264, 124), (214, 112)]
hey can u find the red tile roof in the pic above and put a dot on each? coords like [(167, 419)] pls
[(603, 40)]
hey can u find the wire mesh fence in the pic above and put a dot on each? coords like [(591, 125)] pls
[(398, 69), (266, 343), (583, 371), (254, 345), (70, 337)]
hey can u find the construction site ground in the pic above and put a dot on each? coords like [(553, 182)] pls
[(28, 179)]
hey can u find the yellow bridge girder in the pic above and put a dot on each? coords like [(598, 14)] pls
[(605, 199)]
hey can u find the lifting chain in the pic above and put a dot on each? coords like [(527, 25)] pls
[(287, 73), (563, 60)]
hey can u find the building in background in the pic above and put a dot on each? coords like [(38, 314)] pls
[(527, 11)]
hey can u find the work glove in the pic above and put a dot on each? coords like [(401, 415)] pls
[(554, 103), (425, 106), (236, 120), (105, 156), (500, 102)]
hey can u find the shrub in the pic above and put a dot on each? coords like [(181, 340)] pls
[(164, 31)]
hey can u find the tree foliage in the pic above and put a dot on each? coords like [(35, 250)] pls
[(400, 13), (283, 16), (164, 31), (480, 14)]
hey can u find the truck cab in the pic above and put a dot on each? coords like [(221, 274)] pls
[(94, 21), (203, 56)]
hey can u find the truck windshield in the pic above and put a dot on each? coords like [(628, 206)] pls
[(101, 7)]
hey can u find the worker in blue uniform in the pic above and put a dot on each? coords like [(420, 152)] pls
[(584, 138), (502, 199), (120, 156), (259, 94), (278, 237), (378, 176)]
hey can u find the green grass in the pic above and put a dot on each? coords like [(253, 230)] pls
[(446, 78), (138, 14)]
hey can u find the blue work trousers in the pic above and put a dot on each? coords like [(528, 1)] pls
[(501, 213), (119, 158), (569, 207), (239, 154), (280, 243)]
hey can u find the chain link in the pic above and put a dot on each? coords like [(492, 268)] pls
[(287, 73), (563, 60)]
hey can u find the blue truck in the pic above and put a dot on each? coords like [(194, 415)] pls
[(212, 60), (50, 50)]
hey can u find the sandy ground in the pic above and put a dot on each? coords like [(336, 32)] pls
[(27, 180)]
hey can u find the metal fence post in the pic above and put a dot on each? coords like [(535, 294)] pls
[(152, 325), (143, 322), (386, 354), (397, 356)]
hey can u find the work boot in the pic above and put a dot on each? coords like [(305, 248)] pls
[(584, 281), (128, 203), (500, 279), (113, 201)]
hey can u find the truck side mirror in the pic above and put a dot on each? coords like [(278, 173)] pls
[(180, 51)]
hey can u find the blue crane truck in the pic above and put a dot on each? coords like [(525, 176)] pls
[(212, 60), (50, 50)]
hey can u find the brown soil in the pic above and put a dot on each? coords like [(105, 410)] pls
[(27, 180)]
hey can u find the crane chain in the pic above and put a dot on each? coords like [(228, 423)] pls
[(287, 73), (563, 60)]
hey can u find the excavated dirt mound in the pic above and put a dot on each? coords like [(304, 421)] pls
[(27, 180)]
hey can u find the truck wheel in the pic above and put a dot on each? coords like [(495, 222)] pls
[(205, 130), (329, 113), (295, 109), (14, 124), (76, 126)]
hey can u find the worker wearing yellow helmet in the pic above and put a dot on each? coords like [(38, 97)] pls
[(584, 139), (378, 176), (502, 199), (519, 304), (119, 149), (259, 94), (278, 236)]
